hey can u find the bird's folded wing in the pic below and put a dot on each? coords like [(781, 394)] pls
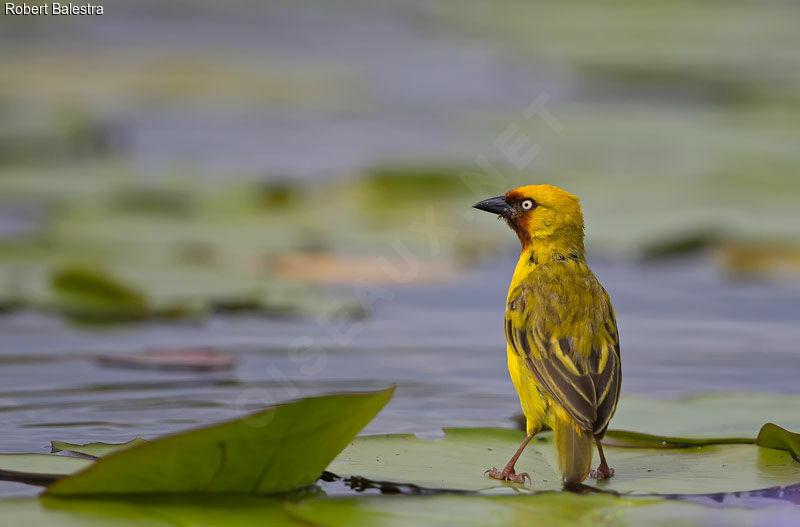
[(606, 367), (586, 387)]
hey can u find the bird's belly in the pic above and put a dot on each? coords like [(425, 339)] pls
[(534, 406)]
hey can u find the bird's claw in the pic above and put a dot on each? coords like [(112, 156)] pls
[(520, 478), (602, 473), (508, 475)]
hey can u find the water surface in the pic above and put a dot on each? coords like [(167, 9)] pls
[(685, 329)]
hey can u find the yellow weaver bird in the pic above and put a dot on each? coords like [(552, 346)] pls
[(563, 345)]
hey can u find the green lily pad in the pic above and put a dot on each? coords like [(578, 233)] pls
[(93, 450), (728, 415), (550, 509), (39, 469), (275, 450), (91, 295), (697, 420), (773, 436), (625, 438), (458, 462), (146, 511)]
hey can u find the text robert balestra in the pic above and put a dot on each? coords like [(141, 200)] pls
[(53, 8)]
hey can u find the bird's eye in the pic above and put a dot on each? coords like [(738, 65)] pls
[(527, 204)]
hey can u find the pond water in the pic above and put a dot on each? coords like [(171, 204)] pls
[(685, 329)]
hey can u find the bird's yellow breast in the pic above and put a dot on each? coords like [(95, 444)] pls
[(534, 405)]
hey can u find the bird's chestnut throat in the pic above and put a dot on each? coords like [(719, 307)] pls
[(519, 224), (543, 245)]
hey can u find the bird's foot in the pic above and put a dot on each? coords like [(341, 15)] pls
[(508, 474), (602, 472)]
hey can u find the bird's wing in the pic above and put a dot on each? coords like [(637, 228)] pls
[(577, 360)]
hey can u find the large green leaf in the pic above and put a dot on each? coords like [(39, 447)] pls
[(275, 450), (550, 509), (458, 461)]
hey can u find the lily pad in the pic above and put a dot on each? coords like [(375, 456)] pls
[(550, 509), (177, 359), (773, 436), (760, 259), (554, 509), (414, 182), (93, 450), (625, 438), (92, 295), (724, 415), (458, 461), (275, 450), (146, 511), (39, 469), (696, 420)]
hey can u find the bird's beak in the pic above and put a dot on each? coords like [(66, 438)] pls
[(496, 205)]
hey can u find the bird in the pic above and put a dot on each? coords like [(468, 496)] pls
[(561, 332)]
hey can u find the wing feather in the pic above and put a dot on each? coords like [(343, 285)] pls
[(587, 387)]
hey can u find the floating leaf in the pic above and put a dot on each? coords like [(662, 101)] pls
[(180, 359), (93, 450), (759, 260), (387, 183), (153, 199), (458, 461), (723, 415), (773, 436), (681, 245), (92, 295), (626, 438), (275, 450), (146, 511), (39, 469), (278, 193), (324, 267), (698, 419), (550, 509)]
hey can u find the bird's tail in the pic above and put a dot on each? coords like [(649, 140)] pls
[(573, 451)]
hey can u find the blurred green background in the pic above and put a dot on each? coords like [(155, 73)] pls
[(189, 149)]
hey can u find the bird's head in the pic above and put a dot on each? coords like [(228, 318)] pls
[(541, 215)]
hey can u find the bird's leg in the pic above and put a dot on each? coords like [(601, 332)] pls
[(508, 473), (603, 470)]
